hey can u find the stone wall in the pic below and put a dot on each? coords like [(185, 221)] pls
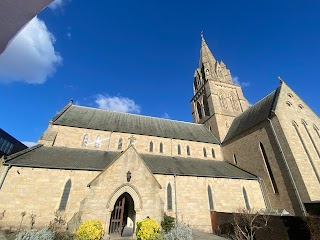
[(73, 137), (246, 149), (39, 191), (192, 197), (290, 107)]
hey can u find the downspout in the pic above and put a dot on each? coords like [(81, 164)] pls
[(288, 168), (175, 197), (4, 175)]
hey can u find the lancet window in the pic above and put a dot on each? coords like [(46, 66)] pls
[(120, 142), (169, 197), (85, 140), (210, 198)]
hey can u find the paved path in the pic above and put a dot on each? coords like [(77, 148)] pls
[(2, 237), (198, 235)]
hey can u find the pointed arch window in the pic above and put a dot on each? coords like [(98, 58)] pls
[(179, 149), (97, 142), (295, 125), (310, 137), (206, 105), (169, 197), (65, 196), (151, 147), (195, 84), (120, 142), (223, 99), (204, 152), (188, 150), (213, 153), (317, 130), (210, 198), (234, 102), (161, 147), (245, 197), (199, 110), (267, 164), (85, 140)]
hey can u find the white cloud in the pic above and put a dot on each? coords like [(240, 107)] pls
[(118, 104), (55, 4), (69, 35), (31, 56), (29, 144), (242, 84)]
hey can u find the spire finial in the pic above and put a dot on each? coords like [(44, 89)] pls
[(281, 80), (201, 34)]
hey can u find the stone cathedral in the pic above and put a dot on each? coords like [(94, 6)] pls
[(120, 168)]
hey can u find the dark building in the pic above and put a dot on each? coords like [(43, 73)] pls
[(9, 144)]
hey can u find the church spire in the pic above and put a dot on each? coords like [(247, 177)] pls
[(206, 57)]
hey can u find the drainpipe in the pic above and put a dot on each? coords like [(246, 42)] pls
[(4, 175), (175, 197), (288, 168)]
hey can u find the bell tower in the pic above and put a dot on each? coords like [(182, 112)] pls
[(217, 99)]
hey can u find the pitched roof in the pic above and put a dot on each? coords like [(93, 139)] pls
[(84, 159), (84, 117), (252, 116), (193, 167)]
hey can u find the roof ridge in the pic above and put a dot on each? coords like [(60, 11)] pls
[(62, 111), (165, 119), (257, 103), (13, 156), (274, 101), (247, 112)]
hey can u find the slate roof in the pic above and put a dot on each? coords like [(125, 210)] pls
[(193, 167), (84, 117), (252, 116), (82, 159)]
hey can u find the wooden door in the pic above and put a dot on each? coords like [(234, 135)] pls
[(117, 216)]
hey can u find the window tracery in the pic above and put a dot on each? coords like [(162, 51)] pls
[(223, 100), (234, 102)]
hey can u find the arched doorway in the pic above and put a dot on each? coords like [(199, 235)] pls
[(123, 216)]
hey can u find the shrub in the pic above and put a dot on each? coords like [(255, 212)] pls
[(167, 223), (43, 234), (148, 229), (91, 229), (179, 232), (57, 225)]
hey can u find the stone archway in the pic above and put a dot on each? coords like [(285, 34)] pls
[(122, 218), (132, 195)]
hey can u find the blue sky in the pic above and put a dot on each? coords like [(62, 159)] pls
[(140, 56)]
